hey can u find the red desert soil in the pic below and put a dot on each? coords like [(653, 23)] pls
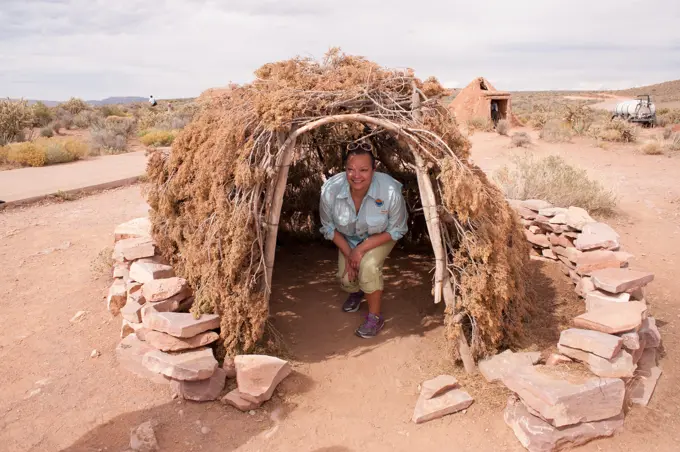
[(346, 394)]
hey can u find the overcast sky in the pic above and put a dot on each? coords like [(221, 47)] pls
[(55, 49)]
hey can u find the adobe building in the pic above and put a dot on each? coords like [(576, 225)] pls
[(479, 99)]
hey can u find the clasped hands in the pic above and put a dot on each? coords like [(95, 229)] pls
[(352, 263)]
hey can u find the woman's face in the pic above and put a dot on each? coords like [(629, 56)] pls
[(359, 172)]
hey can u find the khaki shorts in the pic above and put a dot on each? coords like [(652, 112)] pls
[(370, 270)]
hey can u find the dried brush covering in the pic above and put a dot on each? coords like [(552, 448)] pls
[(211, 196)]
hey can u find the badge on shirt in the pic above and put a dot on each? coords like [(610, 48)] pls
[(379, 202)]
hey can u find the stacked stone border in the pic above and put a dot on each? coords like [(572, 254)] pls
[(556, 404)]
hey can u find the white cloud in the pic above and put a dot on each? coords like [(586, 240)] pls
[(171, 48)]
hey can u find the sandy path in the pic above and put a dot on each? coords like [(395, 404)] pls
[(346, 394)]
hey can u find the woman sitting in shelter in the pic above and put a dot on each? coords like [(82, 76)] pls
[(364, 213)]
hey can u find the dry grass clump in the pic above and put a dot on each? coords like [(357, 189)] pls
[(210, 198), (652, 147), (480, 124), (503, 127), (111, 135), (45, 151), (520, 140), (157, 137), (47, 132), (674, 144), (556, 131), (15, 117), (87, 118), (666, 116), (616, 129), (553, 179)]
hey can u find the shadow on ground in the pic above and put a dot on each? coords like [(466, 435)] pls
[(306, 303)]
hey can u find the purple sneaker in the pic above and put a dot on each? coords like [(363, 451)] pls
[(353, 302), (371, 326)]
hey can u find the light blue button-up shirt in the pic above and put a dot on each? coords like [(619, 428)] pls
[(382, 210)]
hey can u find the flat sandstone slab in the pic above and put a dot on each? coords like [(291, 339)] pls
[(617, 280), (235, 399), (138, 227), (537, 435), (191, 365), (613, 318), (597, 235), (598, 343), (495, 368), (567, 398), (180, 324), (162, 289), (258, 375), (145, 270), (130, 353), (166, 343), (448, 403), (438, 386), (133, 249), (620, 366), (201, 390)]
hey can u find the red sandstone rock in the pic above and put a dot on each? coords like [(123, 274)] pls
[(258, 375), (569, 401), (138, 227), (132, 249), (577, 218), (556, 359), (192, 365), (162, 289), (145, 270), (117, 297), (130, 353), (597, 235), (537, 435), (201, 390), (166, 343), (180, 324), (650, 333), (589, 261), (537, 239), (612, 319), (438, 386), (535, 204), (600, 344), (235, 399), (621, 366), (496, 367), (450, 402), (617, 280)]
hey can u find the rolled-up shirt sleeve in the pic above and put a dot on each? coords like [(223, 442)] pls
[(397, 217), (325, 212)]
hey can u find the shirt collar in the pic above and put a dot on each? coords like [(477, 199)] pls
[(373, 190)]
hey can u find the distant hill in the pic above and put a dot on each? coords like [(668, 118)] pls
[(661, 92), (107, 101)]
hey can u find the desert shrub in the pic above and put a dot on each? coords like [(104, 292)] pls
[(74, 105), (65, 118), (55, 153), (158, 138), (112, 134), (26, 154), (479, 123), (56, 126), (615, 130), (665, 116), (111, 110), (556, 131), (42, 115), (77, 149), (652, 147), (15, 116), (667, 133), (553, 179), (503, 127), (47, 132), (86, 118), (520, 139)]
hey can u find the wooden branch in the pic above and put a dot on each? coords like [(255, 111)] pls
[(272, 224)]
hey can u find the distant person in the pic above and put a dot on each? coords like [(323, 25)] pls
[(169, 106), (494, 112), (152, 101)]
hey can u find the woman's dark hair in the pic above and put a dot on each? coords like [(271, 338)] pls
[(361, 148)]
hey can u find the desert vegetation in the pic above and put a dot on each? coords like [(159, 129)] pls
[(38, 135), (554, 180)]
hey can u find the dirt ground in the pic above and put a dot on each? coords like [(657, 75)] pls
[(346, 394)]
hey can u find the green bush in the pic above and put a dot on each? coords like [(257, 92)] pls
[(615, 130), (47, 132), (112, 134), (86, 118), (55, 153), (503, 127)]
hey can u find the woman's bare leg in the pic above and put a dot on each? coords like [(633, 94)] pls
[(374, 301)]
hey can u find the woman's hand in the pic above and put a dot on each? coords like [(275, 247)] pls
[(351, 273), (355, 258)]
